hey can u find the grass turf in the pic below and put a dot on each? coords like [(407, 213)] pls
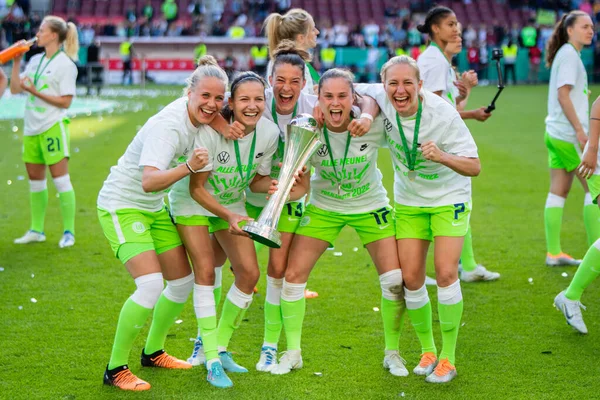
[(512, 344)]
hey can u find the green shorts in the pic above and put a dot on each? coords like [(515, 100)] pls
[(326, 225), (214, 224), (290, 218), (594, 185), (145, 230), (428, 222), (48, 147), (561, 154)]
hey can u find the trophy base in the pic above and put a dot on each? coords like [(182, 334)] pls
[(263, 234)]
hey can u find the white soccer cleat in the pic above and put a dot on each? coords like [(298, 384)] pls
[(31, 237), (444, 372), (291, 359), (430, 281), (67, 240), (395, 363), (268, 359), (561, 259), (571, 309), (480, 273), (197, 357), (425, 367)]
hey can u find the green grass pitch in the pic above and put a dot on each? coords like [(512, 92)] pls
[(513, 343)]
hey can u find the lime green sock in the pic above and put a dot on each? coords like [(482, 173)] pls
[(421, 320), (392, 313), (450, 315), (553, 222), (467, 257), (273, 322), (131, 320), (38, 202), (217, 292), (293, 317), (165, 314), (591, 219), (586, 273), (231, 318), (208, 331), (67, 210)]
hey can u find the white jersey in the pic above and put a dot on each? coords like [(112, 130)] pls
[(437, 73), (306, 104), (309, 88), (567, 69), (360, 181), (164, 142), (435, 184), (55, 77), (225, 182)]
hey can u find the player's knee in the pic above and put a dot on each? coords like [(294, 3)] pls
[(412, 278), (446, 274), (292, 291), (63, 183), (391, 285), (178, 290), (149, 289)]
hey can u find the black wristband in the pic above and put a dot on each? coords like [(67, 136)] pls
[(187, 164)]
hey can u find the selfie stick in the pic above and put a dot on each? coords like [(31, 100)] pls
[(492, 106)]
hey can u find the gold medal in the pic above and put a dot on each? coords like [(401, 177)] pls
[(412, 175)]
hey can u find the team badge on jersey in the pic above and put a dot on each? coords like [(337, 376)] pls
[(223, 157)]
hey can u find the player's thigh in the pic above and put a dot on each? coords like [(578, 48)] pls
[(197, 242), (447, 250), (55, 144), (412, 254), (242, 255), (384, 253), (321, 224), (278, 258), (305, 251)]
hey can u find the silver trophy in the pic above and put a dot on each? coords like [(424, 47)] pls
[(301, 141)]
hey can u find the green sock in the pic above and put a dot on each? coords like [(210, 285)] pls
[(449, 315), (586, 273), (208, 331), (67, 210), (553, 222), (273, 322), (231, 318), (38, 202), (421, 320), (217, 292), (293, 317), (131, 320), (467, 257), (591, 219), (392, 313), (165, 314)]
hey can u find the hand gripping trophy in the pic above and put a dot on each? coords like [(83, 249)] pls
[(301, 141)]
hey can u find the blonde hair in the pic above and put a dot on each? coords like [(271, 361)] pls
[(207, 67), (67, 34), (400, 60), (288, 26)]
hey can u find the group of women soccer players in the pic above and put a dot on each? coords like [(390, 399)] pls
[(217, 151)]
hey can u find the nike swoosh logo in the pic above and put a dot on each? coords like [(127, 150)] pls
[(567, 312), (289, 316), (383, 227), (273, 323), (455, 224), (138, 326), (293, 219)]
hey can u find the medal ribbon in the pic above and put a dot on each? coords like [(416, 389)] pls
[(280, 144), (411, 156), (38, 73), (327, 143), (238, 158)]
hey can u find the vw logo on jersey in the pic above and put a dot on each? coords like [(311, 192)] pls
[(223, 157), (323, 151)]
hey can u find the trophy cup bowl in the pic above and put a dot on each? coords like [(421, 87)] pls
[(301, 141)]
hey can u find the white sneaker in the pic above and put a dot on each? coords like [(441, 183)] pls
[(444, 372), (31, 237), (571, 309), (67, 240), (430, 281), (480, 273), (395, 363), (268, 359), (291, 359), (197, 357)]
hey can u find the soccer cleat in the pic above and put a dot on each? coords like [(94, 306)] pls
[(161, 359), (395, 363), (561, 259), (480, 273), (217, 377), (291, 359), (571, 309), (268, 359), (426, 365), (444, 372), (31, 237), (122, 378), (67, 240), (430, 281), (197, 357), (228, 363)]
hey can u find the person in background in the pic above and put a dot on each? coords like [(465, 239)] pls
[(510, 60), (169, 10), (127, 54), (148, 11), (473, 56), (535, 59)]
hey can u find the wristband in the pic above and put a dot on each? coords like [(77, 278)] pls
[(187, 164), (367, 116)]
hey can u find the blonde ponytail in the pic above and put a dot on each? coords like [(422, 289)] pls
[(72, 42), (271, 28), (279, 27)]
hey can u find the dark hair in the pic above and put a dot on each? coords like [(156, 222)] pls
[(239, 79), (434, 17), (560, 35), (288, 53)]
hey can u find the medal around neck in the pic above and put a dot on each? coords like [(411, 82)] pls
[(301, 141)]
